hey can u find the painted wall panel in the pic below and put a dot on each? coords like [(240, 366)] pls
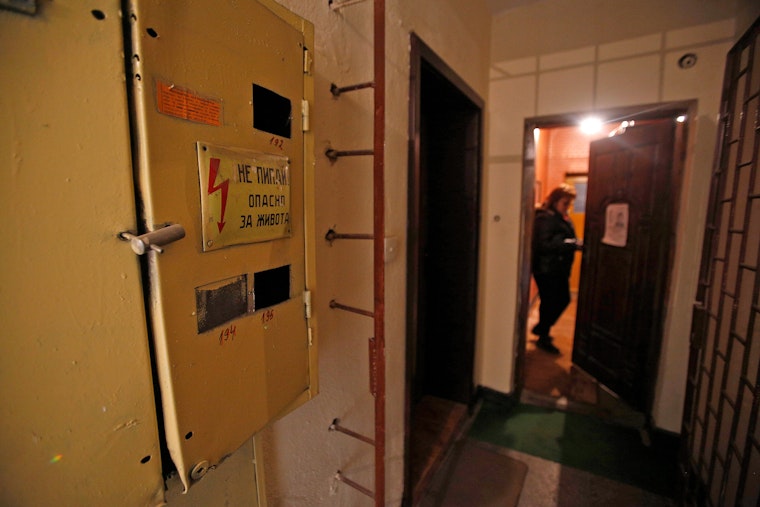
[(221, 151), (77, 414), (505, 120), (567, 89), (628, 82)]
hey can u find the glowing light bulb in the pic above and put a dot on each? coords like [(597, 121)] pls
[(591, 125)]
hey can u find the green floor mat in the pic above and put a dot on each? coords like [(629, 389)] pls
[(581, 442)]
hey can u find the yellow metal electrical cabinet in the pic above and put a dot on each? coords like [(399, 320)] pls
[(221, 94)]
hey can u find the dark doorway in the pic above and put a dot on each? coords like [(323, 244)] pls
[(640, 384), (442, 254)]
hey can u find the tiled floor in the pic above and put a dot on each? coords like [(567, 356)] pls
[(553, 381), (548, 484)]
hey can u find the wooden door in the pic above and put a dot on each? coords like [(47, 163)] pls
[(625, 259)]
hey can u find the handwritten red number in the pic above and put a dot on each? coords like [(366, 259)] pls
[(267, 316), (279, 143), (227, 334)]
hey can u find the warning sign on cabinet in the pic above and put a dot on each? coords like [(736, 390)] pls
[(245, 196)]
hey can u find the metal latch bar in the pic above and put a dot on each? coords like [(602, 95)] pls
[(153, 240)]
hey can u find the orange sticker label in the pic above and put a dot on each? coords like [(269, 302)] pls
[(182, 103)]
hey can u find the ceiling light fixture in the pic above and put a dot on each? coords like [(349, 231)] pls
[(591, 125)]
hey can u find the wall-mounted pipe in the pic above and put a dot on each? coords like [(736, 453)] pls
[(334, 155), (334, 5), (342, 478), (377, 343), (379, 248), (335, 305), (331, 236), (337, 90), (335, 426)]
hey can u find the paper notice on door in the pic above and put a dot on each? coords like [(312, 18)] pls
[(616, 225)]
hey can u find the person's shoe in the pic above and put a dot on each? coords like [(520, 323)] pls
[(545, 343)]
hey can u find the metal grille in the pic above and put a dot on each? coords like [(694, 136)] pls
[(721, 452)]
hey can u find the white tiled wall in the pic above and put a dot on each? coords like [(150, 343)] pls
[(628, 82), (566, 90), (632, 71)]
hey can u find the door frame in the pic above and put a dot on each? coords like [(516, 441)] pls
[(639, 113), (420, 53)]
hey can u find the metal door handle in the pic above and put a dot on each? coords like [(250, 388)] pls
[(153, 240)]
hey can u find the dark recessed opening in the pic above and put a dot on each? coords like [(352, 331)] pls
[(221, 302), (271, 287), (271, 112)]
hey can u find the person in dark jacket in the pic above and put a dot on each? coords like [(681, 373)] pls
[(554, 245)]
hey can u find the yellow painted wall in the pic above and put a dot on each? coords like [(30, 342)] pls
[(579, 222), (77, 416), (78, 422)]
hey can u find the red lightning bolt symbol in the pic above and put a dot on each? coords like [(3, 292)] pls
[(224, 186)]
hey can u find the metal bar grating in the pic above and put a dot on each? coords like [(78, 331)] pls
[(721, 455)]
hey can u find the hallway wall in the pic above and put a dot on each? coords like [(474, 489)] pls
[(78, 402), (588, 55), (301, 455), (71, 296)]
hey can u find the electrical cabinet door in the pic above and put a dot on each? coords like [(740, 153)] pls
[(219, 89)]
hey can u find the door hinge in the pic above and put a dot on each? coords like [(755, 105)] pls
[(306, 61), (307, 303), (305, 115)]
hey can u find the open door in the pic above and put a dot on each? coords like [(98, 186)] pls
[(629, 219)]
